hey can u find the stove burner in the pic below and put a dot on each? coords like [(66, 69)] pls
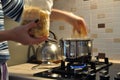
[(78, 66)]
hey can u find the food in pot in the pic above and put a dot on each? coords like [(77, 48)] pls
[(81, 34)]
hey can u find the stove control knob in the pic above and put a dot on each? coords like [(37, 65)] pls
[(104, 75)]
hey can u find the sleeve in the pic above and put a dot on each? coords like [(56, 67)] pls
[(13, 8), (46, 5)]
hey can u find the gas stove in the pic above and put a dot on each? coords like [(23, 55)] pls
[(77, 71)]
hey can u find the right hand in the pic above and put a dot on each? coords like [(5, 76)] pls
[(21, 34)]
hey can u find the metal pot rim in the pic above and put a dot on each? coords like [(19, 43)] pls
[(77, 39)]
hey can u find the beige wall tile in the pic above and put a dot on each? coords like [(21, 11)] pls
[(94, 35), (95, 50), (93, 6), (73, 9), (116, 40), (61, 27), (109, 30), (99, 16), (116, 0)]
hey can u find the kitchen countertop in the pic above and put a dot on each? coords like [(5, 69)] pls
[(26, 71)]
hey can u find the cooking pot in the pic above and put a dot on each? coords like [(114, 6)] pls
[(76, 49)]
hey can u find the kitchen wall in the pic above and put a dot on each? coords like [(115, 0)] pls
[(102, 18)]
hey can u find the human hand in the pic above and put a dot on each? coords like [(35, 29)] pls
[(79, 25), (21, 34)]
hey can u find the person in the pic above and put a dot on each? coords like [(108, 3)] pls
[(12, 9)]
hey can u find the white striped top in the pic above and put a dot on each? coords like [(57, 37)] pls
[(13, 8)]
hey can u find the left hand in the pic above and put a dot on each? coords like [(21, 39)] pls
[(79, 25)]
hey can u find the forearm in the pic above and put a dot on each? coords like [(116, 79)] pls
[(4, 35), (66, 16), (60, 15)]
